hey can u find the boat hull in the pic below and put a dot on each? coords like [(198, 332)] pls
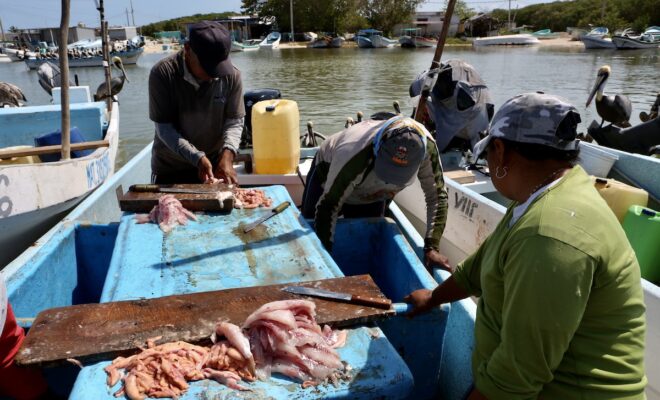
[(425, 42), (364, 43), (627, 43), (337, 42), (407, 42), (507, 40), (381, 42), (596, 42), (127, 58)]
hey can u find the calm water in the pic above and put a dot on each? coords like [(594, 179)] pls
[(330, 85)]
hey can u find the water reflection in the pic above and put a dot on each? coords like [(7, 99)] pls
[(332, 84)]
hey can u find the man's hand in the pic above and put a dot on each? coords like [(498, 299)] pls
[(433, 258), (204, 169), (421, 301), (225, 168)]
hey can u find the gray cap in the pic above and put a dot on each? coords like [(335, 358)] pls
[(534, 118), (400, 148)]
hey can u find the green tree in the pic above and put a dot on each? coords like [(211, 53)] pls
[(462, 9), (385, 14)]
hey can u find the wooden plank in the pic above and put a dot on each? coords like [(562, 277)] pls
[(144, 202), (461, 176), (92, 332), (35, 151)]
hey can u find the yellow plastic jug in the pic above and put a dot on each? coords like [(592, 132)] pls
[(275, 136), (620, 196)]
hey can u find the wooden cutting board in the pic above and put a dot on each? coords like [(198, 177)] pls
[(144, 202), (93, 332)]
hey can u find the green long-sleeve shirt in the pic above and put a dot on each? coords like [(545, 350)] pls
[(561, 312)]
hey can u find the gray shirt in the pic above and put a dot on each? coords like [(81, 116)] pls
[(192, 119)]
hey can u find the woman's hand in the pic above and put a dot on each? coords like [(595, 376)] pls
[(421, 301)]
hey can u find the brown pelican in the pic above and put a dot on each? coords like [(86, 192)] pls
[(11, 95), (613, 109), (116, 83)]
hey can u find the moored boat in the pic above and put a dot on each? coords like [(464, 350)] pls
[(505, 40), (650, 39), (128, 57), (37, 190), (237, 46), (381, 42), (597, 42), (364, 38), (546, 34), (272, 41), (83, 250)]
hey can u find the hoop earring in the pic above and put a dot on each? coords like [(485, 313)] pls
[(497, 172)]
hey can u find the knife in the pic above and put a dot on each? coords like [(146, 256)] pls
[(160, 189), (385, 304), (273, 212)]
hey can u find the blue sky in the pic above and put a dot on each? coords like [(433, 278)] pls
[(46, 13)]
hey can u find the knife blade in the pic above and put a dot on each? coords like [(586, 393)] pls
[(385, 304), (160, 189), (273, 212)]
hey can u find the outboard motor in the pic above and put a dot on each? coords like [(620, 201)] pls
[(250, 98), (638, 139)]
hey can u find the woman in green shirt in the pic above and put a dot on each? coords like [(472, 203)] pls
[(560, 312)]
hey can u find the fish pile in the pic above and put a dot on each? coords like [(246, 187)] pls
[(167, 214), (251, 198), (280, 337), (286, 339)]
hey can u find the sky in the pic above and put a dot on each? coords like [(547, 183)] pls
[(46, 13)]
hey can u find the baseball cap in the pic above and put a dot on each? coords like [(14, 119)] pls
[(211, 42), (536, 118), (399, 148)]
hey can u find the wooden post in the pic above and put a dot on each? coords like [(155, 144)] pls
[(64, 68), (106, 55), (420, 111)]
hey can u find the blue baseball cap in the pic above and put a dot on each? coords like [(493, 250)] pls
[(211, 42)]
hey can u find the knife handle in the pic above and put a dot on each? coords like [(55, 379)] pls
[(372, 301), (144, 188), (281, 207)]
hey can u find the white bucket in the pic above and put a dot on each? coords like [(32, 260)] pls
[(595, 161)]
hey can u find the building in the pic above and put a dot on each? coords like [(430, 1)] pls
[(52, 35), (431, 23), (122, 32), (482, 25)]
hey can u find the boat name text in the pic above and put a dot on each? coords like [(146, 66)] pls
[(466, 204), (98, 170), (5, 202)]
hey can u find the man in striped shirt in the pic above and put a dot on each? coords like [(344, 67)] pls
[(359, 170)]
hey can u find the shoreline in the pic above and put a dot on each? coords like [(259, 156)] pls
[(563, 41)]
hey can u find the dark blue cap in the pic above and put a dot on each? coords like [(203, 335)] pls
[(211, 42)]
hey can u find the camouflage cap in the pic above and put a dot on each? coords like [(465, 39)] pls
[(537, 118)]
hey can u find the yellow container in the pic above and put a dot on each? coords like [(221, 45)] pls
[(275, 136), (19, 160), (620, 196)]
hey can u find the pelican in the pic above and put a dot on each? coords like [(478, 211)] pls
[(310, 139), (613, 109), (11, 95), (50, 76), (116, 83)]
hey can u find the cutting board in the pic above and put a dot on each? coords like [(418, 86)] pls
[(93, 332), (144, 202)]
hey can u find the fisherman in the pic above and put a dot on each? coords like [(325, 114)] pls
[(357, 172), (459, 105), (196, 103), (561, 312)]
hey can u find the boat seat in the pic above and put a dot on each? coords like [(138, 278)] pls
[(19, 160)]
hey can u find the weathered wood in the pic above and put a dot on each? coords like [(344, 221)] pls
[(91, 332), (145, 201), (461, 176), (35, 151)]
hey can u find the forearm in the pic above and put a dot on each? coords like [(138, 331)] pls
[(233, 129), (176, 143), (448, 292)]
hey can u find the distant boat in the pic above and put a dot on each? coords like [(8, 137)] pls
[(272, 41), (380, 41), (650, 39), (364, 38), (596, 42), (546, 34), (337, 42), (412, 38), (127, 57), (237, 46), (520, 40)]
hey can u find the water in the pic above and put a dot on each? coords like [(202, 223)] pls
[(332, 84)]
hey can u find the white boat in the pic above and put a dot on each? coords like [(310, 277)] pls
[(596, 42), (127, 58), (272, 41), (381, 42), (412, 38), (237, 46), (650, 39), (473, 215), (364, 38), (34, 195), (506, 40)]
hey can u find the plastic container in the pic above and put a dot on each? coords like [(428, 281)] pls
[(620, 196), (55, 138), (642, 226), (275, 136), (596, 161), (19, 160)]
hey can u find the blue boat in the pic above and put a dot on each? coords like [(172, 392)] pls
[(96, 254), (364, 38)]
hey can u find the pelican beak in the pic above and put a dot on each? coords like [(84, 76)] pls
[(599, 82), (123, 71)]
